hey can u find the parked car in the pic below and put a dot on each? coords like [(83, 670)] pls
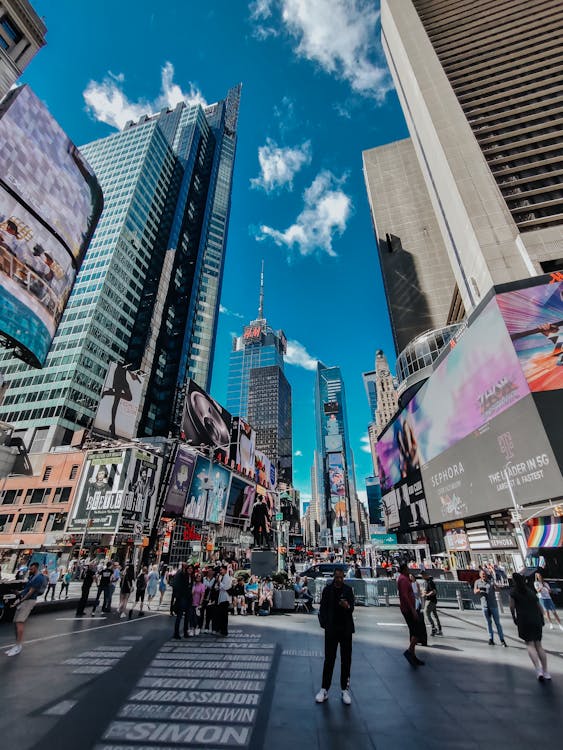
[(323, 570)]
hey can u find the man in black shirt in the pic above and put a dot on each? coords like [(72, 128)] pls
[(104, 583), (431, 597), (335, 617)]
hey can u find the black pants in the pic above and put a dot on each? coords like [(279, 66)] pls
[(182, 606), (221, 620), (333, 639), (83, 602)]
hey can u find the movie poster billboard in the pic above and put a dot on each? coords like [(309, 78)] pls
[(205, 422), (141, 490), (404, 507), (99, 497), (337, 485), (471, 477), (119, 404), (50, 203), (478, 379), (209, 490), (180, 481), (243, 445), (534, 319), (242, 497)]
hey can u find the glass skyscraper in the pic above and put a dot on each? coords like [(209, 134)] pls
[(335, 479), (258, 390), (148, 291)]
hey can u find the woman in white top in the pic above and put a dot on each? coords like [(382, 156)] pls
[(544, 595)]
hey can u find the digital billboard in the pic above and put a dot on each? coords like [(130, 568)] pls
[(331, 407), (373, 493), (478, 379), (534, 319), (97, 506), (242, 496), (243, 445), (180, 481), (208, 488), (141, 489), (471, 477), (405, 506), (337, 485), (50, 203), (205, 422), (119, 402), (265, 471)]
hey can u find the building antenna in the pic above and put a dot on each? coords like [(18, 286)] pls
[(261, 304)]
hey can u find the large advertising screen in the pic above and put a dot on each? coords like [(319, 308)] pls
[(142, 483), (242, 497), (205, 422), (50, 203), (210, 487), (479, 379), (534, 319), (337, 486), (265, 471), (119, 402), (243, 445), (404, 506), (99, 496), (471, 477), (180, 481)]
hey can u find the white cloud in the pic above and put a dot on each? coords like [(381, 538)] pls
[(278, 165), (299, 356), (325, 214), (362, 496), (298, 453), (365, 447), (339, 35), (107, 102), (225, 311)]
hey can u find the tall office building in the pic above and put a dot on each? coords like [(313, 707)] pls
[(382, 397), (149, 287), (335, 479), (22, 34), (479, 84), (257, 389), (417, 275)]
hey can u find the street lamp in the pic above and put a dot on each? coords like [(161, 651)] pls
[(517, 519)]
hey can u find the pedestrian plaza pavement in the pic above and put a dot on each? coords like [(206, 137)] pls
[(116, 685)]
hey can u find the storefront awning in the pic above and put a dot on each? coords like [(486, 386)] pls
[(544, 532)]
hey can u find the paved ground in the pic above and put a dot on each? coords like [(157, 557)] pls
[(106, 683)]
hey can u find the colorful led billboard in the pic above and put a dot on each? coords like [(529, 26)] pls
[(243, 445), (209, 492), (50, 203), (180, 481)]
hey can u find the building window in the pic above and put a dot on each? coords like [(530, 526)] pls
[(29, 522), (62, 494), (9, 34), (9, 497), (5, 522), (37, 496), (56, 522), (74, 471), (47, 473)]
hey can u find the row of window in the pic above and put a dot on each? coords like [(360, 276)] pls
[(32, 522), (37, 495)]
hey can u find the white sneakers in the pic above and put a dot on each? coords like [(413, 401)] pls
[(541, 675), (197, 631), (551, 626), (14, 651), (322, 696)]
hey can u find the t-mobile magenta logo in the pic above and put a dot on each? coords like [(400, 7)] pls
[(506, 445)]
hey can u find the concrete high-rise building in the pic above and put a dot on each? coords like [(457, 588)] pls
[(417, 275), (22, 34), (479, 84), (258, 391), (383, 400), (148, 291), (335, 478)]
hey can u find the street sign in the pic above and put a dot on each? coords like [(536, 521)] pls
[(384, 540), (137, 527), (279, 516)]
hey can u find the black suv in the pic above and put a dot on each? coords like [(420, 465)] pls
[(324, 570)]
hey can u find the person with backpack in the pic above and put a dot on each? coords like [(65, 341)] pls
[(140, 589), (431, 598), (26, 601)]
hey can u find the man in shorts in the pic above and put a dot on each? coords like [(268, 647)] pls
[(412, 618), (27, 600)]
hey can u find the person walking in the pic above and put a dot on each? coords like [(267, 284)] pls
[(198, 592), (26, 601), (543, 590), (485, 587), (407, 604), (140, 589), (528, 618), (152, 585), (87, 582), (54, 577), (223, 602), (431, 602), (182, 587), (161, 586), (127, 585), (67, 578), (335, 618)]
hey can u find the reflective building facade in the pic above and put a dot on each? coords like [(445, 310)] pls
[(148, 290)]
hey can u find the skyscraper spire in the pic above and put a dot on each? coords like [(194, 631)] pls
[(261, 304)]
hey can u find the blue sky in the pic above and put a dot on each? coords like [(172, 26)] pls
[(316, 92)]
